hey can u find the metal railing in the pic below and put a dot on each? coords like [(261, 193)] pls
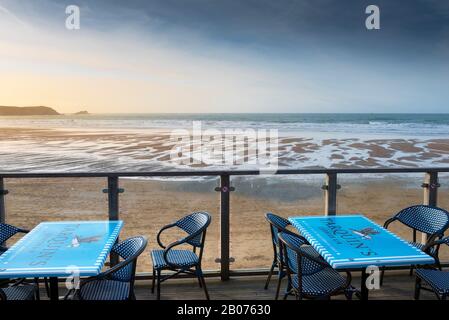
[(331, 187)]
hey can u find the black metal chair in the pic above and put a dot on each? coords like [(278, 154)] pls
[(431, 221), (19, 292), (117, 283), (310, 276), (182, 260), (432, 278), (278, 224), (6, 232)]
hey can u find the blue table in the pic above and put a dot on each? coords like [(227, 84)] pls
[(356, 242), (61, 249)]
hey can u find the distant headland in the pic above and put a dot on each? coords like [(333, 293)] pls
[(28, 111), (33, 111), (82, 112)]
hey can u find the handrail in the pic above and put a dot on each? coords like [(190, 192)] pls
[(200, 173), (430, 186)]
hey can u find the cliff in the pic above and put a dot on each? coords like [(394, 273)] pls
[(27, 111)]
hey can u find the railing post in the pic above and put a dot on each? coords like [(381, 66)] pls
[(113, 198), (3, 192), (430, 186), (113, 206), (330, 194), (225, 188)]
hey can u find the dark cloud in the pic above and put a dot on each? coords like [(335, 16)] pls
[(413, 27)]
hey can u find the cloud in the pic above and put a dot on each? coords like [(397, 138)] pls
[(221, 56), (14, 18)]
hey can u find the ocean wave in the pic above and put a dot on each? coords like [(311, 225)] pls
[(418, 127)]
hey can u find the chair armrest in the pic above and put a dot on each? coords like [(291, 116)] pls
[(433, 243), (23, 230), (178, 243), (103, 275), (158, 237), (389, 221)]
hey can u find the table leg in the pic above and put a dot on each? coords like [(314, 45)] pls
[(364, 292), (54, 289)]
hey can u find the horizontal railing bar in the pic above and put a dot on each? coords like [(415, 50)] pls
[(202, 173)]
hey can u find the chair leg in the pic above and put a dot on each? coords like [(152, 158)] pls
[(349, 292), (37, 295), (381, 280), (287, 293), (417, 288), (270, 274), (47, 287), (154, 281), (288, 290), (278, 289), (158, 285), (203, 282)]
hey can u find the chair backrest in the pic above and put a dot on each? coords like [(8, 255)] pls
[(277, 224), (129, 250), (426, 219), (7, 231), (294, 250), (195, 224)]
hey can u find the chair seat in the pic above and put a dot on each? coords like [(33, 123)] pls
[(105, 290), (21, 292), (320, 283), (436, 279), (181, 258)]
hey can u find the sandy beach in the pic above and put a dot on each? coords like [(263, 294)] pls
[(147, 205)]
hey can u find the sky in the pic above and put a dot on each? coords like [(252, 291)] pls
[(182, 56)]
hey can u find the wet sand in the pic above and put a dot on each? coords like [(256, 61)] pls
[(150, 149)]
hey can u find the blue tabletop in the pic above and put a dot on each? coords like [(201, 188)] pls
[(354, 241), (57, 249)]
